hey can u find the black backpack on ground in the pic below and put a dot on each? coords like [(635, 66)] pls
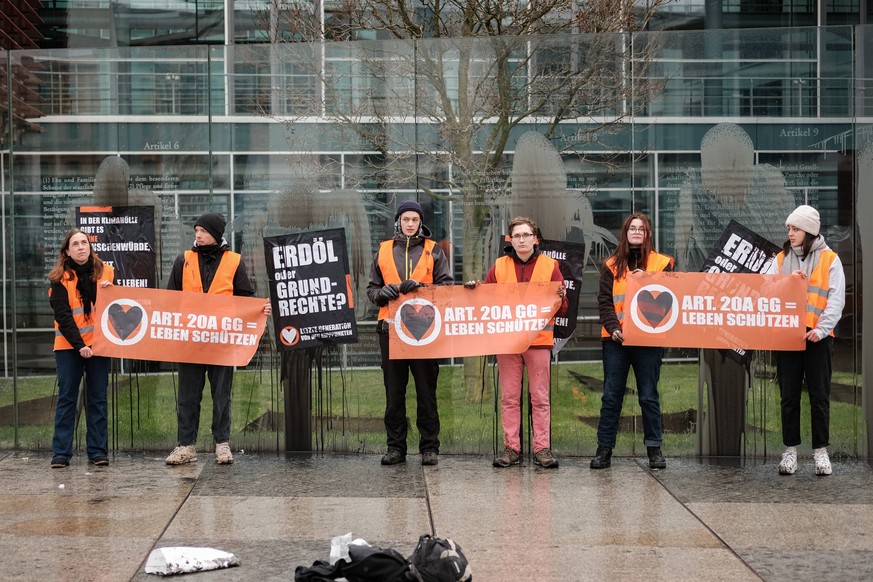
[(370, 564), (439, 560), (366, 564)]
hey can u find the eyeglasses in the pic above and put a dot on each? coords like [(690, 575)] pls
[(636, 229), (522, 236)]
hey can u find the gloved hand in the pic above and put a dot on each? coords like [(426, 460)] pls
[(471, 284), (409, 285), (387, 293)]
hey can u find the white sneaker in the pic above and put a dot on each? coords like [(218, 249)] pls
[(822, 461), (182, 454), (788, 464), (223, 456)]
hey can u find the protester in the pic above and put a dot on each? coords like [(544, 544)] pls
[(208, 267), (807, 255), (74, 282), (403, 263), (523, 263), (635, 252)]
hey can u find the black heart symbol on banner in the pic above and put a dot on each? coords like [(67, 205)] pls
[(417, 321), (124, 322), (654, 309)]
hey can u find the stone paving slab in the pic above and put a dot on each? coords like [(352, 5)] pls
[(301, 518), (757, 481), (574, 524), (700, 519), (315, 475), (84, 522)]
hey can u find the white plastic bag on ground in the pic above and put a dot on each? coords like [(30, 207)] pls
[(339, 547), (182, 560)]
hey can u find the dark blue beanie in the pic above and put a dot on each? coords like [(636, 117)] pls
[(408, 205)]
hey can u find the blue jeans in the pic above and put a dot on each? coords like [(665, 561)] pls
[(617, 362), (71, 367)]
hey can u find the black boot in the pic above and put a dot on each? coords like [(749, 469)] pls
[(656, 459), (602, 459), (393, 457)]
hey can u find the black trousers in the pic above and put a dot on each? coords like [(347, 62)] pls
[(396, 376), (814, 363), (192, 379)]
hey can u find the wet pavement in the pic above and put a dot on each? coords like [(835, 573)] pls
[(710, 519)]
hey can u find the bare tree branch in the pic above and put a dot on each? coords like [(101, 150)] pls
[(454, 81)]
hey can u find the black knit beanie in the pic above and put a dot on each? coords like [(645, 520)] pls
[(408, 205), (213, 223)]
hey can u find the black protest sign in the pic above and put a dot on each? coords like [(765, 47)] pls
[(310, 289), (570, 257), (740, 250), (124, 237)]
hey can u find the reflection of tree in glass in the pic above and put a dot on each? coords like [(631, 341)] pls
[(729, 186), (539, 190), (454, 86), (302, 206), (112, 188)]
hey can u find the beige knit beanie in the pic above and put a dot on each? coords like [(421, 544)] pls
[(805, 218)]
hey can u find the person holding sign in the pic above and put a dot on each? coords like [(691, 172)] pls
[(403, 263), (807, 255), (635, 252), (74, 282), (523, 263), (208, 267)]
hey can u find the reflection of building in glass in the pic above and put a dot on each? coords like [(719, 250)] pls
[(745, 123), (729, 186), (198, 127)]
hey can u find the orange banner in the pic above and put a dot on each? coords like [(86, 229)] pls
[(451, 321), (172, 326), (715, 310)]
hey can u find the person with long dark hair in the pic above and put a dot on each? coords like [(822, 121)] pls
[(806, 254), (75, 279), (635, 252)]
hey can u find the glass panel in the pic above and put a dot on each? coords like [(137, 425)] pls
[(858, 164), (772, 73), (691, 128)]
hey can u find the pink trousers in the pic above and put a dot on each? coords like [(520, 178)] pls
[(511, 370)]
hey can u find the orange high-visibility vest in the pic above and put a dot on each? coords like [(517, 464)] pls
[(817, 286), (86, 328), (655, 262), (423, 271), (504, 272), (222, 283)]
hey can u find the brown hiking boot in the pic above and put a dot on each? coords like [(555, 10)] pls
[(507, 457), (545, 459)]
